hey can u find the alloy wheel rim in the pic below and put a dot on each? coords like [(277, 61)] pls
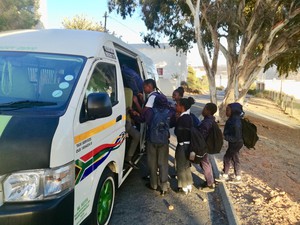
[(105, 201)]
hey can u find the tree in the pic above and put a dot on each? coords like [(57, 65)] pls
[(18, 14), (192, 80), (258, 33), (80, 22)]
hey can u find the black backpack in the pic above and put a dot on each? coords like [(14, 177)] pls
[(197, 145), (215, 139), (249, 133)]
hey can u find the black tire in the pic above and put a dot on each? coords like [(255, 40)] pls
[(104, 199)]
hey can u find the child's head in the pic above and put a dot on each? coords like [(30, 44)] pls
[(184, 104), (209, 109), (149, 86), (234, 109), (178, 94)]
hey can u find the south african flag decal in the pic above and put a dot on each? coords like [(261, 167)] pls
[(90, 161)]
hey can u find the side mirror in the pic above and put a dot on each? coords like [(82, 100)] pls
[(98, 106)]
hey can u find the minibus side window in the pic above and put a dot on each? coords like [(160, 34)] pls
[(103, 79)]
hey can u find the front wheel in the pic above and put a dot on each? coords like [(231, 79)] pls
[(104, 199)]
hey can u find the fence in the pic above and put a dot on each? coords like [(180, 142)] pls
[(288, 103)]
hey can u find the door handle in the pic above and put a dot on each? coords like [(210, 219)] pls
[(119, 118)]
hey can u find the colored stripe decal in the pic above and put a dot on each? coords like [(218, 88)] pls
[(96, 130), (96, 151), (93, 159), (3, 122)]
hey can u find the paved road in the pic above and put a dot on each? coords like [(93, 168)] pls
[(135, 204)]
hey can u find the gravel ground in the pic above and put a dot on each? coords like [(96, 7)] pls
[(269, 193)]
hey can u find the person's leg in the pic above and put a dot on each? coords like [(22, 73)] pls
[(188, 172), (207, 170), (184, 174), (163, 165), (135, 139), (152, 164), (228, 157), (236, 159), (180, 166)]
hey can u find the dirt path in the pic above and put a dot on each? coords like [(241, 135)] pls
[(270, 191)]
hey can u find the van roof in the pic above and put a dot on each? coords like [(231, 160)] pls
[(61, 41)]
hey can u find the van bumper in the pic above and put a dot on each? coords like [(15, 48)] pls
[(52, 212)]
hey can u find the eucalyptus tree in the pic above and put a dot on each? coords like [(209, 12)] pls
[(18, 14), (252, 35)]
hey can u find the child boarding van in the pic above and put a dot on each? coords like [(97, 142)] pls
[(62, 125)]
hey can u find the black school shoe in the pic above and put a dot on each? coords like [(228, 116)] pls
[(148, 185), (207, 189)]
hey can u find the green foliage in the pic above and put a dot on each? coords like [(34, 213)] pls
[(286, 62), (193, 81), (237, 21), (18, 14), (80, 22)]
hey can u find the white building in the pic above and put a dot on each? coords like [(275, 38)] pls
[(171, 65)]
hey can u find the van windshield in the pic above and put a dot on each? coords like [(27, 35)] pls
[(37, 81)]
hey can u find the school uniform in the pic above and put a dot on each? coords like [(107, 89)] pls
[(204, 128), (157, 154), (233, 134), (183, 165)]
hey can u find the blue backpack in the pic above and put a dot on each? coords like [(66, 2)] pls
[(132, 79), (160, 125)]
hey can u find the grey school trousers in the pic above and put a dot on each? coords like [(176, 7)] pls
[(135, 139), (183, 166), (157, 158)]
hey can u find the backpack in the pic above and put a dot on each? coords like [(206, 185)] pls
[(160, 125), (197, 145), (132, 79), (249, 131), (215, 139), (196, 121)]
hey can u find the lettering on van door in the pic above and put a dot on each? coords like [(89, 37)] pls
[(81, 212), (83, 145)]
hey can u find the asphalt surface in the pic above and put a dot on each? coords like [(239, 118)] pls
[(136, 204)]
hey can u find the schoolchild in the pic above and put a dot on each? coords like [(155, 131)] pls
[(233, 134), (177, 94), (132, 131), (205, 127), (182, 132), (157, 154)]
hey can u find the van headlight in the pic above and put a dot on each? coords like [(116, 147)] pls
[(39, 184)]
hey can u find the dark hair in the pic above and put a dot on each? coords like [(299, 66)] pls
[(180, 91), (211, 107), (151, 82), (187, 102)]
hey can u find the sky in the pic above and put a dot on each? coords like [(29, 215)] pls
[(53, 13)]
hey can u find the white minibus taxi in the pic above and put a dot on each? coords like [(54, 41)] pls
[(62, 125)]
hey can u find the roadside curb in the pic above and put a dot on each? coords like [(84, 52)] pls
[(227, 202)]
